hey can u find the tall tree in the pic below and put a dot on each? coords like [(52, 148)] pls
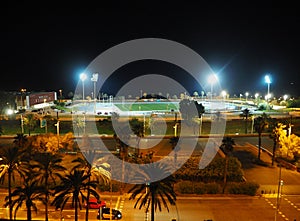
[(154, 193), (227, 148), (29, 192), (100, 173), (260, 124), (137, 128), (190, 109), (11, 164), (245, 115), (20, 140), (277, 131), (30, 121), (74, 186), (48, 167)]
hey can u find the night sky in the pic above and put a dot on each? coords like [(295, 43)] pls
[(45, 48)]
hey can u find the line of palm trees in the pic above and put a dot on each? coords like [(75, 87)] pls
[(42, 175), (43, 178)]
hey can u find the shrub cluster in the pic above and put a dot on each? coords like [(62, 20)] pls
[(189, 187), (214, 172), (247, 188)]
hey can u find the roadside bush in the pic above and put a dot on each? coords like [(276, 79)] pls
[(248, 188), (199, 188), (189, 187), (212, 188), (184, 187), (214, 172)]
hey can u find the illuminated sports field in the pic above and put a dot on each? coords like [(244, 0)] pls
[(148, 106)]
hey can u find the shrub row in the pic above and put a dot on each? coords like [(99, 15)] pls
[(189, 187)]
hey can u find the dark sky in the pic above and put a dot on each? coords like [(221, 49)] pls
[(46, 47)]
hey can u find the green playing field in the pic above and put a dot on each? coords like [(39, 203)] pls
[(148, 106)]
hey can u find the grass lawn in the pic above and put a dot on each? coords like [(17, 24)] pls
[(148, 106)]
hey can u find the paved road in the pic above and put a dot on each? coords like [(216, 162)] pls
[(223, 209)]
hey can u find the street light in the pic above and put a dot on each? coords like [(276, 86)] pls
[(95, 79), (268, 81), (246, 94), (212, 79), (82, 78), (224, 94), (23, 90), (60, 95)]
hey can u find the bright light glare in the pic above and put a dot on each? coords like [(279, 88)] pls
[(213, 78), (268, 96), (9, 111), (267, 79), (83, 76), (285, 97), (256, 95), (224, 93)]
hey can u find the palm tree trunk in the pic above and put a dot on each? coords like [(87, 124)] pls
[(9, 195), (246, 125), (259, 146), (152, 206), (88, 197), (225, 174), (28, 211), (76, 209), (273, 152), (47, 196)]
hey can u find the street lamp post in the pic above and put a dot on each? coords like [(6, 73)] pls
[(23, 90), (95, 79), (82, 78), (246, 94), (60, 95), (212, 79), (224, 94)]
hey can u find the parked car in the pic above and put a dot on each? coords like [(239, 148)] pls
[(95, 204), (116, 214)]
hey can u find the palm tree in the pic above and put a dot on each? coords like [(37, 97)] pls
[(10, 164), (20, 140), (79, 124), (138, 129), (100, 173), (201, 110), (30, 121), (260, 124), (48, 166), (276, 133), (154, 193), (29, 192), (245, 115), (227, 148), (73, 186)]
